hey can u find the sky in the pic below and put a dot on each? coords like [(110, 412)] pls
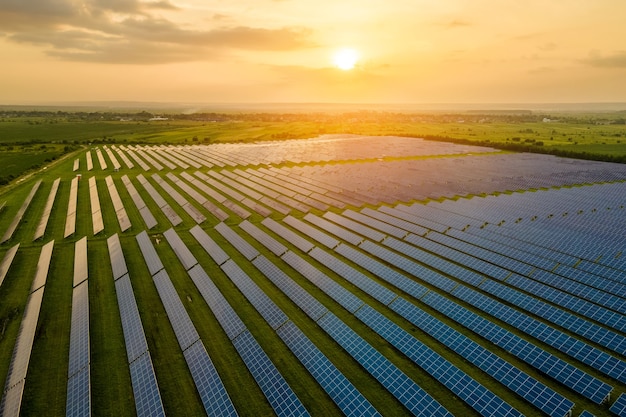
[(281, 51)]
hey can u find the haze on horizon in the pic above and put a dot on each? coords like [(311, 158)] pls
[(410, 51)]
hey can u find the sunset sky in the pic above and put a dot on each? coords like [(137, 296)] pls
[(410, 51)]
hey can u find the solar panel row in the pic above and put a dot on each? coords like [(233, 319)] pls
[(560, 405), (78, 385), (123, 157), (182, 201), (11, 401), (20, 213), (144, 211), (208, 383), (45, 216), (103, 164), (163, 205), (114, 161), (352, 303), (96, 211), (599, 360), (7, 260), (146, 392), (279, 394), (118, 206), (89, 161)]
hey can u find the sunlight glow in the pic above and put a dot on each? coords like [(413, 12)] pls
[(346, 58)]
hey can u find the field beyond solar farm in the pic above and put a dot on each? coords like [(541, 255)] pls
[(336, 274)]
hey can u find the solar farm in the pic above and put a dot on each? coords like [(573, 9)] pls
[(338, 275)]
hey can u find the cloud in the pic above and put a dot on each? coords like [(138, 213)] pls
[(614, 60), (124, 31)]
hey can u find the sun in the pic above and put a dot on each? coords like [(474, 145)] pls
[(346, 58)]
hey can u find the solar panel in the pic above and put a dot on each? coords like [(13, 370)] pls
[(209, 245), (274, 316), (619, 406), (79, 330), (89, 161), (547, 363), (210, 387), (14, 386), (181, 323), (118, 263), (311, 232), (336, 230), (383, 271), (237, 241), (309, 304), (466, 388), (266, 240), (70, 221), (521, 383), (42, 266), (227, 317), (344, 270), (277, 391), (120, 211), (7, 260), (407, 265), (20, 213), (145, 389), (341, 295), (149, 253), (281, 208), (43, 223), (134, 336), (411, 395), (80, 261), (96, 212), (78, 402), (291, 237), (340, 389), (182, 252)]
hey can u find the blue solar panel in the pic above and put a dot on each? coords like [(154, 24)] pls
[(210, 387), (414, 398), (466, 388), (295, 292), (149, 253), (371, 287), (266, 240), (183, 327), (619, 406), (227, 317), (291, 237), (333, 228), (237, 241), (533, 391), (413, 268), (78, 401), (594, 357), (311, 232), (209, 245), (567, 374), (340, 389), (279, 394), (264, 305), (341, 295), (147, 396), (79, 331), (134, 336), (383, 271), (182, 252)]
